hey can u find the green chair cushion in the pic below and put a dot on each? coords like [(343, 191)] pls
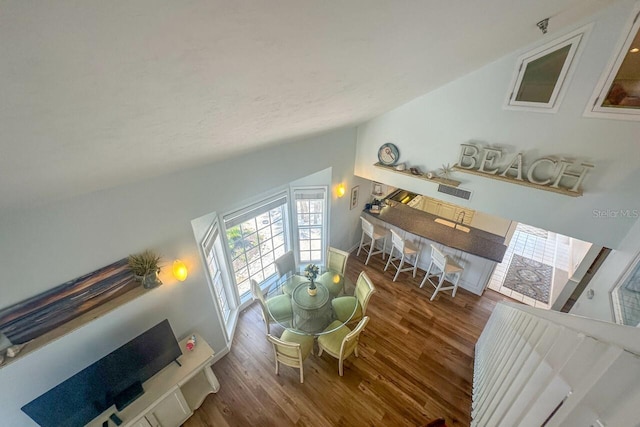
[(333, 281), (292, 283), (280, 307), (305, 341), (343, 308), (333, 340)]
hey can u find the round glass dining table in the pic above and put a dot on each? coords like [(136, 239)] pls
[(311, 314)]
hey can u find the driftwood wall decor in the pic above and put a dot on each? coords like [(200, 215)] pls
[(40, 314)]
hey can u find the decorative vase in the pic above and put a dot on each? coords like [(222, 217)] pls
[(151, 280), (312, 290)]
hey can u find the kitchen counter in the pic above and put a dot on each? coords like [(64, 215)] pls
[(476, 242)]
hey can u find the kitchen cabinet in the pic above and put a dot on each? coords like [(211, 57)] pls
[(171, 411), (443, 209), (447, 211)]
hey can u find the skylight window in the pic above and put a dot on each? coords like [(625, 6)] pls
[(541, 75), (617, 95)]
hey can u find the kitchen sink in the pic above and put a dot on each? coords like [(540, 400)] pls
[(452, 224)]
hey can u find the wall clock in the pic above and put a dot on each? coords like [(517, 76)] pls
[(388, 154)]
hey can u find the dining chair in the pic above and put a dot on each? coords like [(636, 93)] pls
[(291, 349), (375, 233), (444, 265), (286, 264), (275, 309), (333, 278), (405, 249), (342, 342), (343, 307)]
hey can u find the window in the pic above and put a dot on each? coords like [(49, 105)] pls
[(256, 236), (540, 80), (310, 222), (213, 250), (617, 95)]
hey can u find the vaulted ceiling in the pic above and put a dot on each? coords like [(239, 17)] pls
[(95, 94)]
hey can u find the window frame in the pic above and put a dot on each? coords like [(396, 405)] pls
[(252, 211), (576, 39), (309, 191), (214, 243), (630, 30)]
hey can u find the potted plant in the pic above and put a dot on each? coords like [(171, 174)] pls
[(145, 267), (311, 272)]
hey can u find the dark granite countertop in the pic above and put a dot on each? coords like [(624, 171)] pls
[(476, 242)]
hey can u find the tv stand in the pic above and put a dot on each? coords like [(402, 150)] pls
[(170, 396)]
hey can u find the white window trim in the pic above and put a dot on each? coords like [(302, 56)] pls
[(577, 40), (325, 219), (606, 79), (235, 216), (231, 294)]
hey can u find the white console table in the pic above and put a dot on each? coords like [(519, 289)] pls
[(170, 396)]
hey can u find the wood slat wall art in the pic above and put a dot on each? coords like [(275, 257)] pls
[(415, 364), (29, 320)]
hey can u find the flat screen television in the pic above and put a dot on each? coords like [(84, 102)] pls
[(114, 379)]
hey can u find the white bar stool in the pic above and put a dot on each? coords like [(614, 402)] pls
[(446, 266), (375, 233), (406, 249)]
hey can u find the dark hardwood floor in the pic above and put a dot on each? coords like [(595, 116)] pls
[(415, 364)]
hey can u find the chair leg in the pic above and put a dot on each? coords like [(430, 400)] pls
[(301, 375), (440, 282), (399, 268), (361, 242), (371, 247), (455, 284), (384, 246), (340, 367), (389, 260), (426, 276), (320, 350), (415, 265), (276, 366)]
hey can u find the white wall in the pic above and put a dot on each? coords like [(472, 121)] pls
[(45, 247), (605, 279), (429, 130)]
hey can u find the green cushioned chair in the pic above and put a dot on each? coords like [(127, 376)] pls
[(342, 342), (274, 310), (343, 307), (286, 264), (333, 279), (291, 349)]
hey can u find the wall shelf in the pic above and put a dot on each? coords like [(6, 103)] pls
[(75, 323), (510, 180), (437, 180)]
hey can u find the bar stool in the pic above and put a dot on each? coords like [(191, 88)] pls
[(375, 233), (406, 249), (446, 266)]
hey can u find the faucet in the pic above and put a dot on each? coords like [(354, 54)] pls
[(458, 220)]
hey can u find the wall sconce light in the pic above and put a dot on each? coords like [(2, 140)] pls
[(180, 270), (341, 190)]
